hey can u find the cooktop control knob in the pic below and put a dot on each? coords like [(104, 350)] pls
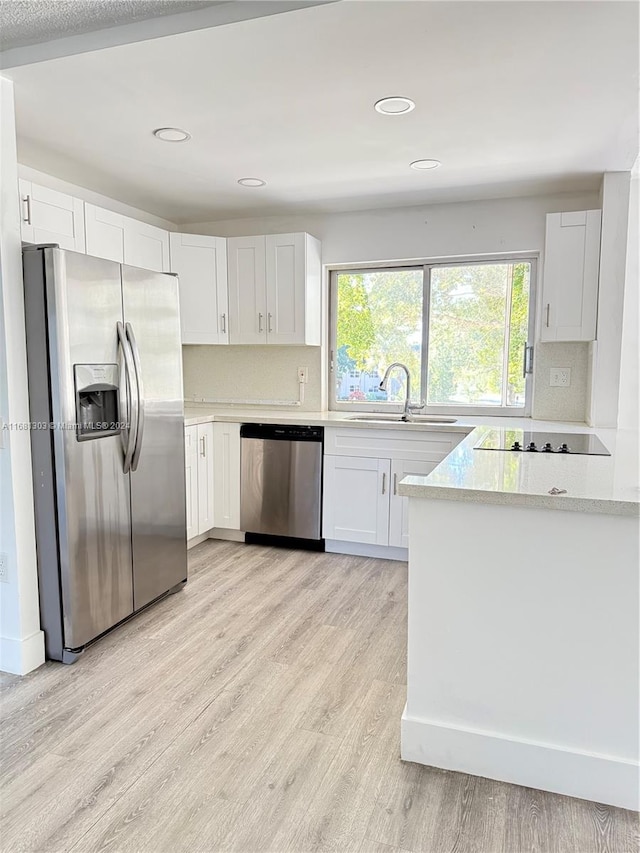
[(564, 448), (516, 446), (531, 447), (547, 448)]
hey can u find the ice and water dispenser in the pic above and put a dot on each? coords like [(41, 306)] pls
[(97, 410)]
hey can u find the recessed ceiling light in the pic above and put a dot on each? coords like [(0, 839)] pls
[(171, 134), (252, 182), (422, 165), (395, 106)]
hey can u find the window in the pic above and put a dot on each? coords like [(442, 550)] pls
[(461, 329)]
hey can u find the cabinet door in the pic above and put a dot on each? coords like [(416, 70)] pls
[(191, 472), (201, 265), (226, 475), (104, 233), (247, 296), (285, 271), (399, 506), (146, 246), (571, 267), (205, 477), (49, 216), (356, 499)]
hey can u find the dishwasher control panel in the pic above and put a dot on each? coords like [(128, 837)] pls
[(282, 432)]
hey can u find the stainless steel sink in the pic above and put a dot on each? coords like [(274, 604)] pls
[(397, 419)]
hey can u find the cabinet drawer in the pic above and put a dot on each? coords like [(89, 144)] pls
[(427, 445)]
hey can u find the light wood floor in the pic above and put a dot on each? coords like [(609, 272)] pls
[(258, 710)]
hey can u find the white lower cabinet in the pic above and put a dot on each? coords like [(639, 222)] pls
[(398, 505), (198, 443), (191, 479), (212, 470), (226, 475), (356, 499), (206, 485), (361, 504)]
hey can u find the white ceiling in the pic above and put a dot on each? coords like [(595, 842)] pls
[(513, 98), (34, 21)]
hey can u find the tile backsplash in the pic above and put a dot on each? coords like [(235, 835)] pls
[(554, 403), (264, 374), (260, 374)]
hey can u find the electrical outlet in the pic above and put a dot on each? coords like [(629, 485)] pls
[(303, 374), (4, 568), (560, 377)]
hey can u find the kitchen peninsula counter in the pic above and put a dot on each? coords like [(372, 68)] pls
[(592, 484)]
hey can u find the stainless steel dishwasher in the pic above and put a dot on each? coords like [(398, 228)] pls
[(281, 484)]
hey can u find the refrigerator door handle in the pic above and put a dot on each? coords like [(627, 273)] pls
[(140, 390), (132, 400)]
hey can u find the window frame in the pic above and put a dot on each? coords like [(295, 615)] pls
[(427, 265)]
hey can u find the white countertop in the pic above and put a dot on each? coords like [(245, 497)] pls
[(199, 413), (600, 484), (597, 484)]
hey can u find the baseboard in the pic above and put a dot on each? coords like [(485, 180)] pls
[(589, 776), (191, 543), (357, 549), (21, 656), (226, 534)]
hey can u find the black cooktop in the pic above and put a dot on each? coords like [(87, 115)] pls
[(543, 442)]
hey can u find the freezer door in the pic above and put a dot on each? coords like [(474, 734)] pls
[(158, 508), (84, 306)]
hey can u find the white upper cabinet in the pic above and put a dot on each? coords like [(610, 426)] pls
[(105, 233), (274, 289), (201, 265), (571, 267), (285, 257), (49, 216), (125, 240), (247, 290), (146, 246)]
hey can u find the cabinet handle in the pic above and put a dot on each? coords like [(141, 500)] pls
[(224, 322), (27, 201), (395, 484), (270, 316), (260, 322), (548, 307), (384, 483), (203, 446)]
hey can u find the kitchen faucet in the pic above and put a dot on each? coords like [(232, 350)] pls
[(408, 408)]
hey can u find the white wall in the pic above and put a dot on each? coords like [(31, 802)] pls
[(629, 396), (464, 228), (21, 640), (523, 661), (606, 352)]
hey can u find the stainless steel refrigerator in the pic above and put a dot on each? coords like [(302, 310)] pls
[(107, 438)]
